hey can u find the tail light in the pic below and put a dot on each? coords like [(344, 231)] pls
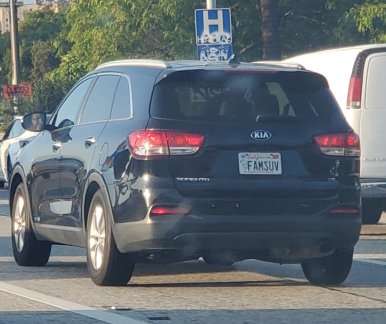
[(344, 210), (339, 144), (163, 211), (150, 143), (354, 96)]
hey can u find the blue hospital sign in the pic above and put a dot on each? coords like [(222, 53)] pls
[(214, 52), (213, 26)]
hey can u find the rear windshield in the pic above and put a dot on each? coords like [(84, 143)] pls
[(243, 97)]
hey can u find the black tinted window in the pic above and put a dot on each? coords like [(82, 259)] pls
[(69, 110), (122, 106), (243, 97), (98, 105)]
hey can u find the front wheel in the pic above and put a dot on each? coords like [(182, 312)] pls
[(106, 265), (27, 250), (330, 270)]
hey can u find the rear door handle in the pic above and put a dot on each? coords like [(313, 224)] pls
[(90, 141), (56, 146)]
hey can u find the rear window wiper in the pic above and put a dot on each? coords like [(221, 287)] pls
[(276, 118)]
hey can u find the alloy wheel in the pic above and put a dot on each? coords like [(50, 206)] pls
[(19, 223), (97, 237)]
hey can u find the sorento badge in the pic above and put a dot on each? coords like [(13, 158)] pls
[(261, 135)]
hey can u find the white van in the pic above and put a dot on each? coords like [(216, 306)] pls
[(357, 77)]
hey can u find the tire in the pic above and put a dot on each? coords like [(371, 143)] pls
[(27, 250), (330, 270), (9, 169), (219, 258), (2, 184), (371, 210), (106, 265)]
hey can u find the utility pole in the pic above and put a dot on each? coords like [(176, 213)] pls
[(210, 4), (14, 42)]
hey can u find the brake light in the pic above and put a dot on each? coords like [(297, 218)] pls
[(344, 210), (160, 211), (150, 143), (354, 96), (339, 144)]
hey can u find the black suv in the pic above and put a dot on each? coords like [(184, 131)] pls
[(153, 161)]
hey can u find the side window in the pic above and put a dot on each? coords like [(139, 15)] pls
[(68, 111), (98, 105), (15, 130), (9, 132), (123, 105)]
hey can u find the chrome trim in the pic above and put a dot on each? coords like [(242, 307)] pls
[(61, 228)]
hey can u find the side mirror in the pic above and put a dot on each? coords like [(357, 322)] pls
[(34, 122)]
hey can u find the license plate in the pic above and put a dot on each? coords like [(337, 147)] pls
[(260, 163)]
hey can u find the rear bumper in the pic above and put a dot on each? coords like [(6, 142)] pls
[(285, 238)]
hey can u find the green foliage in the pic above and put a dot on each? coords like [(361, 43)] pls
[(370, 21), (7, 113)]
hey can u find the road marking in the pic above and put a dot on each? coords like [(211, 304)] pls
[(382, 263), (370, 256), (100, 315)]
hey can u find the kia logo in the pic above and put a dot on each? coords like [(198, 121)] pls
[(261, 135)]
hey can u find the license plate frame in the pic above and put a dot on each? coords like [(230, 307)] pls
[(258, 163)]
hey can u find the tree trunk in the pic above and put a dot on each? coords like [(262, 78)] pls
[(270, 29)]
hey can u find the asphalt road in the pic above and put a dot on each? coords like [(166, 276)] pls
[(191, 292)]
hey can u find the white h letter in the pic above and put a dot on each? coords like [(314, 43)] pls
[(212, 22)]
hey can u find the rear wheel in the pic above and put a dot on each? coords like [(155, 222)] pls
[(106, 265), (371, 210), (27, 250), (219, 258), (330, 270)]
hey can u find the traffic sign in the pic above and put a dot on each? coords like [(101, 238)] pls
[(213, 26), (214, 52)]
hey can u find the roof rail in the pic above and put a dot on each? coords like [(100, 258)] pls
[(140, 62), (281, 63)]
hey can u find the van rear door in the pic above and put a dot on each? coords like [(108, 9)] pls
[(373, 117)]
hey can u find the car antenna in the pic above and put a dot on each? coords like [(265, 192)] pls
[(233, 61)]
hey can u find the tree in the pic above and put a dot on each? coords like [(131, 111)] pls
[(363, 23), (270, 29)]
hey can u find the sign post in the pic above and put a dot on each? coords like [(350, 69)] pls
[(213, 34)]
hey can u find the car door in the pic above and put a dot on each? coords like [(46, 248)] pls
[(76, 161), (46, 192)]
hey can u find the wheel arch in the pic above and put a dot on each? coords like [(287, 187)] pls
[(94, 183), (17, 178)]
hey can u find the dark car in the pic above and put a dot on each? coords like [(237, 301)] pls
[(153, 161)]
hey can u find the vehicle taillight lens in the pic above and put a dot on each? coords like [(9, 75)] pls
[(161, 211), (339, 144), (344, 210), (148, 143), (354, 96)]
